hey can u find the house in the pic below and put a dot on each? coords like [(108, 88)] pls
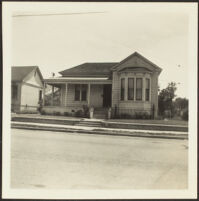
[(27, 88), (127, 87)]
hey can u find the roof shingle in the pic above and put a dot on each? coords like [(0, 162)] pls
[(20, 72), (89, 69)]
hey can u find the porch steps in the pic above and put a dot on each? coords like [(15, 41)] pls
[(99, 116), (89, 123), (100, 113)]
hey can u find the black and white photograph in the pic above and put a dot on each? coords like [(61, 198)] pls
[(99, 100)]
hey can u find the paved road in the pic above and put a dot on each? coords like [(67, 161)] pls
[(45, 159)]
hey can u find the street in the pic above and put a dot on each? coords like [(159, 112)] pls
[(45, 159)]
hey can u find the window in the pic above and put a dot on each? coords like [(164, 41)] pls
[(122, 88), (77, 92), (130, 88), (147, 89), (40, 95), (80, 92), (139, 89), (14, 91), (84, 92)]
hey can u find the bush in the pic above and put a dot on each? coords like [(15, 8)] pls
[(79, 113), (185, 115), (56, 113), (142, 115), (42, 112), (138, 115), (27, 112), (67, 114), (126, 116), (86, 111)]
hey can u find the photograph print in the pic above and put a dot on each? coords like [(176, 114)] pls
[(100, 100)]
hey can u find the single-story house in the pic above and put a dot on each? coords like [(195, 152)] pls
[(127, 87), (27, 88)]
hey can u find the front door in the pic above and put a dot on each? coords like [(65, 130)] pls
[(96, 95), (107, 95)]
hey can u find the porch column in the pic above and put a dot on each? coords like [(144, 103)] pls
[(44, 92), (52, 95), (66, 92), (89, 94)]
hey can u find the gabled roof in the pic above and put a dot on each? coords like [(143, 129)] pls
[(21, 72), (157, 68), (105, 69), (89, 69)]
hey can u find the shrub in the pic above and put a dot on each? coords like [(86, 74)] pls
[(79, 113), (86, 111), (138, 115), (185, 115), (67, 114), (146, 116), (142, 115), (42, 112), (56, 113), (27, 112), (125, 116)]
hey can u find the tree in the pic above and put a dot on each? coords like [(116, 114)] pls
[(181, 103), (165, 99), (181, 107)]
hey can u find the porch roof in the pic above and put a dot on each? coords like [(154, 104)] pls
[(102, 80)]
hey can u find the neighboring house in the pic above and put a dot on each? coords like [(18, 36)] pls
[(128, 87), (27, 88)]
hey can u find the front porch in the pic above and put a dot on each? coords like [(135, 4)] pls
[(71, 97)]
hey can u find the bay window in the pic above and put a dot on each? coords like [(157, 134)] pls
[(147, 89), (138, 88), (122, 88), (130, 88)]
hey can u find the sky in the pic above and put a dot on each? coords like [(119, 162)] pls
[(59, 37)]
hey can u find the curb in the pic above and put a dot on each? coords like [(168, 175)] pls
[(101, 132), (104, 124)]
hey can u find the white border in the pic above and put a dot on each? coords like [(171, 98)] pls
[(8, 8)]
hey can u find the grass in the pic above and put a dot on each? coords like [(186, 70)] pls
[(144, 121), (152, 121)]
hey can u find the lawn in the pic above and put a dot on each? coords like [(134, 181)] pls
[(152, 121)]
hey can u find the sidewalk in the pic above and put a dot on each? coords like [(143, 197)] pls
[(100, 131), (113, 124)]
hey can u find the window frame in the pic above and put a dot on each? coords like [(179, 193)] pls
[(149, 89), (81, 89), (81, 92), (122, 89), (136, 89), (131, 88)]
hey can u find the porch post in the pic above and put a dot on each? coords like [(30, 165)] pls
[(89, 94), (52, 95), (44, 92), (66, 92)]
